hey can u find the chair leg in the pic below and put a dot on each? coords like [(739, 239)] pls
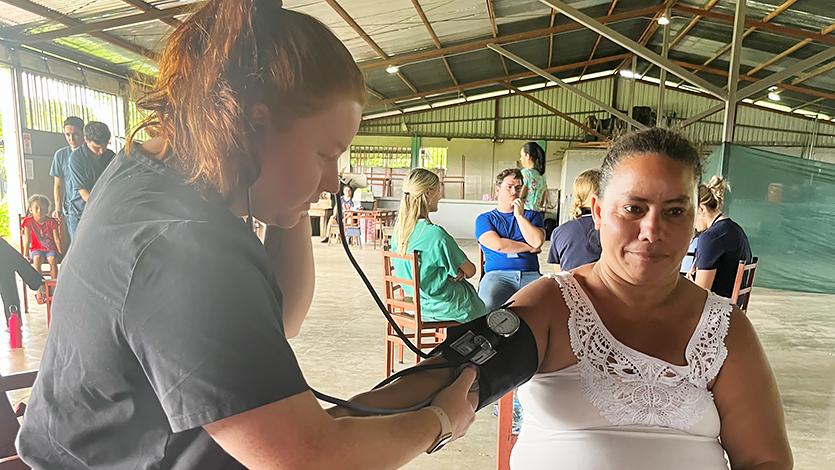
[(25, 299), (389, 358), (505, 432), (400, 353)]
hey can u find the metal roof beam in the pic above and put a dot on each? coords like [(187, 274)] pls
[(729, 119), (147, 7), (542, 73), (51, 14), (647, 34), (508, 78), (551, 40), (491, 12), (634, 47), (87, 28), (773, 79), (773, 14), (479, 44), (435, 39), (783, 30), (365, 37), (553, 110), (599, 37), (748, 78), (789, 51), (692, 24), (814, 73)]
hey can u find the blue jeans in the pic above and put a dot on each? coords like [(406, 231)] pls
[(496, 287), (72, 224)]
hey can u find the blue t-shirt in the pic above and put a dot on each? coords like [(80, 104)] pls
[(722, 247), (575, 243), (506, 226), (84, 171), (59, 169)]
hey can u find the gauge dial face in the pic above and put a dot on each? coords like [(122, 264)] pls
[(503, 322)]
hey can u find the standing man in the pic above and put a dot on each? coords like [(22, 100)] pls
[(87, 163), (510, 237), (73, 132)]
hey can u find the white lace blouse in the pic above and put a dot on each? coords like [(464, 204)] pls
[(618, 408)]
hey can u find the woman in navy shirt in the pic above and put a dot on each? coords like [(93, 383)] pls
[(577, 242), (722, 243)]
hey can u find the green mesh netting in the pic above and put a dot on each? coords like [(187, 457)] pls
[(786, 205)]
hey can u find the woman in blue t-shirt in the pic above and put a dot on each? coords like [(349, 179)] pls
[(722, 243), (577, 242), (445, 294)]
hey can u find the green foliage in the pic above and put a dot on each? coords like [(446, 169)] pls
[(4, 220)]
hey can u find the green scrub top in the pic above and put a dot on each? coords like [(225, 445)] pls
[(441, 297)]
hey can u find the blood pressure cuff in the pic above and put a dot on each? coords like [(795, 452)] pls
[(515, 360)]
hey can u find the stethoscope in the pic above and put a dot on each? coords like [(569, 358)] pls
[(370, 410)]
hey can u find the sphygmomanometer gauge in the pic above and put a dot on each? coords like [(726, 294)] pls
[(503, 322)]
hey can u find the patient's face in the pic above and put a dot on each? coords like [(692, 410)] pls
[(645, 216)]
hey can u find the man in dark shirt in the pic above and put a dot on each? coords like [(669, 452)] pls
[(73, 132), (11, 263), (87, 163)]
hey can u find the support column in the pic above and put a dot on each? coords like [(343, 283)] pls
[(729, 118), (415, 151), (14, 159), (662, 85)]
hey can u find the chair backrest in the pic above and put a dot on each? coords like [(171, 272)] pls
[(744, 283), (20, 218), (394, 284), (8, 421), (480, 262)]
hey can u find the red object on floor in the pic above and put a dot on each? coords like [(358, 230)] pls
[(15, 330)]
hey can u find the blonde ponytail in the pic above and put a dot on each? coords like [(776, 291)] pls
[(712, 194), (586, 184), (414, 204)]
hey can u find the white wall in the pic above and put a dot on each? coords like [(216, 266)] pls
[(483, 159)]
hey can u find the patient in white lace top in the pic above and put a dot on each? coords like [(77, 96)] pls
[(639, 367)]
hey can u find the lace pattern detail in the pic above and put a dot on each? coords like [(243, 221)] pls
[(632, 388)]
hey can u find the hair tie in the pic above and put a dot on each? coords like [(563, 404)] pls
[(406, 193)]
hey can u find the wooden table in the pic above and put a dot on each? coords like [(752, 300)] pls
[(373, 222)]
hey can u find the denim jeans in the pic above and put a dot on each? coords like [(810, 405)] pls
[(72, 224), (498, 286)]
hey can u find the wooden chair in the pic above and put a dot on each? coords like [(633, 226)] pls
[(46, 274), (49, 293), (406, 310), (8, 421), (353, 230), (744, 283), (505, 437)]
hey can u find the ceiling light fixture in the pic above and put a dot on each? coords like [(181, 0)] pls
[(773, 96), (392, 69), (663, 20), (627, 73)]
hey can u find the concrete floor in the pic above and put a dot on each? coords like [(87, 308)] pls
[(341, 352)]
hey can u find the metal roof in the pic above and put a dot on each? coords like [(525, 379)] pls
[(120, 35)]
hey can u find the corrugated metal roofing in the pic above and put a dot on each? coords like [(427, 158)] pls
[(395, 26)]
